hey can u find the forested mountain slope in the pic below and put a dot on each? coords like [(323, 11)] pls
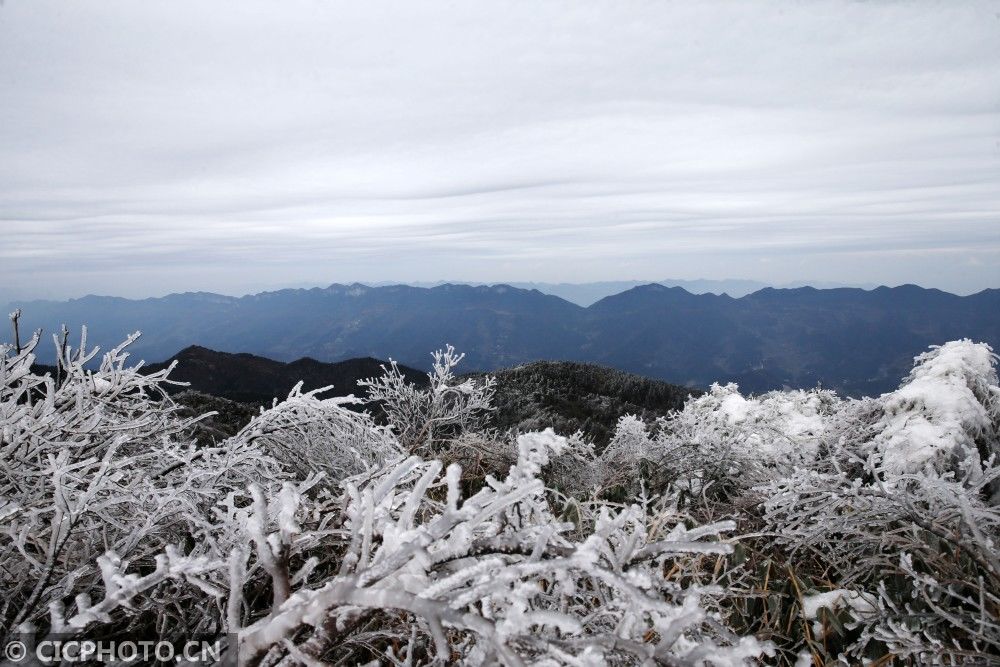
[(252, 379), (571, 396)]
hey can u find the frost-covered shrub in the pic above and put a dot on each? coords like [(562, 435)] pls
[(494, 577), (720, 443), (96, 461), (629, 446), (944, 417), (892, 501), (311, 536), (902, 511), (312, 435), (423, 418), (946, 414), (778, 429), (923, 548)]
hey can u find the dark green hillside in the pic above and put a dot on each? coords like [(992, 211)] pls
[(572, 396), (229, 418), (251, 379)]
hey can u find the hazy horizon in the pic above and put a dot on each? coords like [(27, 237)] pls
[(157, 147)]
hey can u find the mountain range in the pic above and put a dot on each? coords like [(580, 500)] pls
[(853, 340), (585, 294)]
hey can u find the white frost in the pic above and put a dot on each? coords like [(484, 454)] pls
[(948, 401)]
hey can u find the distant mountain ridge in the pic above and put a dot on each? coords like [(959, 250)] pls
[(586, 294), (857, 341)]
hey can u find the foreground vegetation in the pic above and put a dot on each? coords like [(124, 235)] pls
[(791, 528)]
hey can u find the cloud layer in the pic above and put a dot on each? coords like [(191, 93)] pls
[(161, 146)]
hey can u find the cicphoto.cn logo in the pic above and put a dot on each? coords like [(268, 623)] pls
[(49, 650)]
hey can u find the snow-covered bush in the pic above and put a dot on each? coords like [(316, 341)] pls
[(317, 536), (314, 537), (921, 549), (423, 418), (630, 446), (902, 511), (311, 435), (946, 415), (720, 443), (494, 578), (95, 462), (892, 501)]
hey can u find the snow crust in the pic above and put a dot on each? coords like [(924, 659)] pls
[(833, 600), (941, 409), (774, 425)]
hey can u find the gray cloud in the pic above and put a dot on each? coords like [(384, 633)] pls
[(161, 146)]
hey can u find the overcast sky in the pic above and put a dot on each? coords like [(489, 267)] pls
[(149, 147)]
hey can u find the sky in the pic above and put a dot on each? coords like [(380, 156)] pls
[(153, 147)]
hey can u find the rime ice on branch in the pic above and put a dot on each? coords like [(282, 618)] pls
[(354, 547), (318, 536)]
